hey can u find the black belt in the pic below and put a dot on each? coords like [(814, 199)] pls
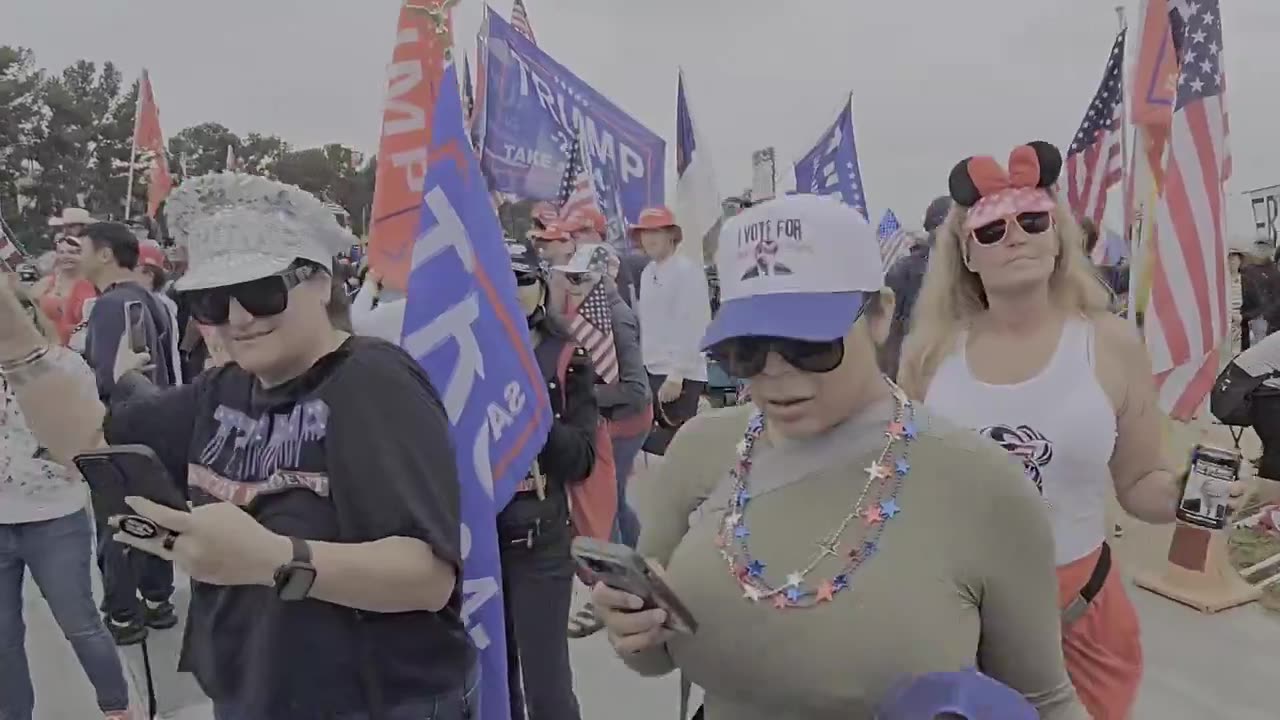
[(1080, 603)]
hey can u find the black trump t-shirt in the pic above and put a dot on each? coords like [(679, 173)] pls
[(354, 450)]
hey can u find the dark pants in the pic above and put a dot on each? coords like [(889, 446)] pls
[(125, 575), (461, 704), (668, 417), (626, 524), (56, 552), (537, 586)]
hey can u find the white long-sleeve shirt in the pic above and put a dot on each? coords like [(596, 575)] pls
[(384, 321), (674, 310)]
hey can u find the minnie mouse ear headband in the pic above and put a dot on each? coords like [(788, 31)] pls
[(991, 192)]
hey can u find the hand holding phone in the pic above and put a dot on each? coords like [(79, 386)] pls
[(135, 319), (120, 471), (1211, 487), (628, 579)]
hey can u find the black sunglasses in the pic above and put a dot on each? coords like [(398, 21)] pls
[(578, 278), (263, 297), (1032, 223), (526, 279), (745, 357)]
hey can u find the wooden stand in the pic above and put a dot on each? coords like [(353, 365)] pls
[(1199, 573)]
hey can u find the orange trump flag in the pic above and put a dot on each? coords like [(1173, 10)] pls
[(148, 138), (422, 37)]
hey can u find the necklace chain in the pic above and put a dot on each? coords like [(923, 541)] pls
[(885, 477)]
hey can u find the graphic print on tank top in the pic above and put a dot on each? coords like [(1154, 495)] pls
[(1026, 444)]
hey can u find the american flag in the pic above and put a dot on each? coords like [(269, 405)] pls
[(1095, 161), (520, 21), (592, 327), (577, 189), (10, 254), (894, 241), (1186, 319)]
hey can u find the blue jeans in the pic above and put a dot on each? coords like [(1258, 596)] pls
[(626, 524), (462, 704), (126, 573), (57, 553)]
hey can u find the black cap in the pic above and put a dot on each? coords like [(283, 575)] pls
[(936, 213), (524, 258)]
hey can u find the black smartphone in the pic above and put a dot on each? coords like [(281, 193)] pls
[(119, 471), (1207, 486), (622, 568), (135, 319)]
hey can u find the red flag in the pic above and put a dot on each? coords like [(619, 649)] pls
[(148, 137), (422, 37)]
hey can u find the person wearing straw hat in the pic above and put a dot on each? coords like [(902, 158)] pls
[(674, 308), (72, 221), (324, 539)]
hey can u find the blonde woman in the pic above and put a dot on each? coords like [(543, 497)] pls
[(1012, 337)]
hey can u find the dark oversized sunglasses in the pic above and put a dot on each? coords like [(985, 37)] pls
[(578, 278), (745, 357), (263, 297), (1032, 223)]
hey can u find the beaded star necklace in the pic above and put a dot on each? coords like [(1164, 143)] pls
[(875, 507)]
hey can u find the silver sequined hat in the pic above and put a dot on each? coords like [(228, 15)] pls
[(236, 228)]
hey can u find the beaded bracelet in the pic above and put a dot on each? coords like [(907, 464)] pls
[(27, 360)]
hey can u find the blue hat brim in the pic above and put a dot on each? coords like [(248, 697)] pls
[(815, 317)]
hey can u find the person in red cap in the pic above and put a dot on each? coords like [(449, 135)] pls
[(589, 226), (554, 243), (674, 308), (152, 275)]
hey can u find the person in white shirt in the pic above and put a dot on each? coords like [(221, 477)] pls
[(674, 308), (44, 530)]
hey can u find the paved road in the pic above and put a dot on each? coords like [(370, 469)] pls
[(1198, 667)]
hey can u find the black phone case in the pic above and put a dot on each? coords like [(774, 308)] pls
[(622, 568), (120, 471)]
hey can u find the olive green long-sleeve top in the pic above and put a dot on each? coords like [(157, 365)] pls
[(963, 577)]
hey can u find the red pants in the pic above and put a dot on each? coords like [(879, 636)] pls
[(1102, 649)]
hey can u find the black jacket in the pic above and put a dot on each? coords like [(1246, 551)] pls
[(569, 453)]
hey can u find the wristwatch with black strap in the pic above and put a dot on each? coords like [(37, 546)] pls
[(294, 579)]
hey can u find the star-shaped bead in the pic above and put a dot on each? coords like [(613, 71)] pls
[(795, 579), (894, 431), (840, 582), (830, 548), (751, 592), (872, 515), (742, 447), (741, 532), (875, 471), (779, 602), (795, 594), (755, 568), (870, 548), (910, 430), (902, 467), (826, 591), (743, 497), (889, 508), (732, 519)]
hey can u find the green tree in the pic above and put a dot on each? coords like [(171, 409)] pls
[(200, 150), (259, 153), (21, 128)]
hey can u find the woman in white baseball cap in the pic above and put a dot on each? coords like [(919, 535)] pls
[(821, 537)]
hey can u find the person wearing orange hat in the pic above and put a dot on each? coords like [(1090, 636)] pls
[(674, 308), (554, 243), (589, 226), (152, 275)]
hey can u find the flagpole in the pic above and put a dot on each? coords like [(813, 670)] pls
[(1128, 167), (133, 152)]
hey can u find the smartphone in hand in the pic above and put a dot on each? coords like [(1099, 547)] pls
[(135, 323), (116, 472), (1207, 487), (622, 568)]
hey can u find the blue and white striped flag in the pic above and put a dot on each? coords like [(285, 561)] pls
[(894, 241)]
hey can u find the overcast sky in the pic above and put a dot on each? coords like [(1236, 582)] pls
[(932, 80)]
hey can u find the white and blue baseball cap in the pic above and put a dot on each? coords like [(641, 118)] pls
[(799, 267)]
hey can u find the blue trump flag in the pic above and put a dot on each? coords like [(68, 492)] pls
[(831, 167), (532, 107), (464, 326)]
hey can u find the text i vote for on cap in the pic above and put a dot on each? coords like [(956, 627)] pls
[(798, 244)]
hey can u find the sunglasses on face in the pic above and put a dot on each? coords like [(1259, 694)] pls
[(526, 279), (578, 278), (263, 297), (746, 357), (1032, 223)]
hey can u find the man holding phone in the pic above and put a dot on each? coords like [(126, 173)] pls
[(138, 588)]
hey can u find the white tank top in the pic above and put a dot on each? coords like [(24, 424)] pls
[(1060, 424)]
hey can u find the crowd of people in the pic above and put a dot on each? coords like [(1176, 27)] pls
[(907, 518)]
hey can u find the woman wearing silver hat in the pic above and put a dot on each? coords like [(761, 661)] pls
[(324, 539)]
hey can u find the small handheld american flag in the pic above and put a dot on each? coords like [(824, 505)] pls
[(577, 191), (592, 327), (894, 241)]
